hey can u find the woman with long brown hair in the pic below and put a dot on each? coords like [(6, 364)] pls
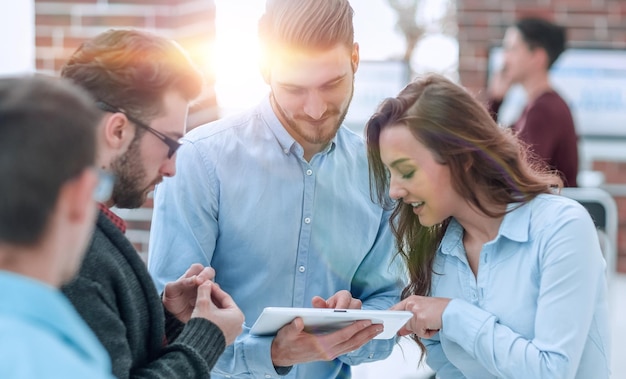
[(506, 279)]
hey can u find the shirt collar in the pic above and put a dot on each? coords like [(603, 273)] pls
[(115, 219), (516, 223), (515, 226)]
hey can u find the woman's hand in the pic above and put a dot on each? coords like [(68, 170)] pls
[(427, 313)]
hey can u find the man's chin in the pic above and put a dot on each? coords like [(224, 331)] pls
[(132, 203)]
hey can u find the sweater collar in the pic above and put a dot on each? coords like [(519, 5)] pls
[(115, 219)]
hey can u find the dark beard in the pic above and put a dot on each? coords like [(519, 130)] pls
[(128, 191)]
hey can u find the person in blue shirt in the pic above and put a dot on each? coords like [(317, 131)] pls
[(276, 199), (507, 279), (47, 213)]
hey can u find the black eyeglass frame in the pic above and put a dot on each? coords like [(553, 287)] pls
[(171, 143)]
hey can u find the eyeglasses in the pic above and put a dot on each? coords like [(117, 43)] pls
[(171, 143)]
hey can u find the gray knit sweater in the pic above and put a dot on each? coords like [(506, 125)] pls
[(115, 295)]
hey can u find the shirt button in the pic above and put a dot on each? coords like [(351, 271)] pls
[(301, 269), (268, 376), (371, 356), (307, 220), (309, 172), (286, 151)]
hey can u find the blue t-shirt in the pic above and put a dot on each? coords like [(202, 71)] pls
[(42, 336)]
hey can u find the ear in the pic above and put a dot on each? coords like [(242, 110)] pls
[(76, 197), (467, 165), (355, 57), (118, 132), (540, 56)]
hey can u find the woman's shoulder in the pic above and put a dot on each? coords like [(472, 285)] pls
[(551, 209), (555, 201)]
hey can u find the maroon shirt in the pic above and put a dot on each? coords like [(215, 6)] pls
[(546, 125)]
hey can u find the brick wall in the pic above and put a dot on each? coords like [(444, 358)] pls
[(62, 25), (482, 24)]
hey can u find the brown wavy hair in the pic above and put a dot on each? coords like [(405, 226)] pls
[(132, 70), (483, 158)]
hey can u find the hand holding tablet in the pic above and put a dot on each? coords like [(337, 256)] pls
[(325, 320)]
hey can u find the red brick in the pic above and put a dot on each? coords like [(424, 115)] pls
[(164, 22), (114, 21), (53, 20), (592, 4), (480, 5), (534, 11), (482, 36), (43, 41), (72, 43), (198, 18), (40, 64), (139, 225), (585, 19), (582, 34), (60, 61), (614, 172)]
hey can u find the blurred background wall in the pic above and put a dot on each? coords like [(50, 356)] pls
[(62, 25), (482, 24), (39, 35)]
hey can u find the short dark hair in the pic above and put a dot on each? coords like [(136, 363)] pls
[(132, 70), (306, 24), (47, 137), (541, 33)]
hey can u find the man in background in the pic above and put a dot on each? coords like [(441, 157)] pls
[(47, 210), (531, 47)]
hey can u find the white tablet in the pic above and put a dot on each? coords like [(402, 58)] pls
[(324, 320)]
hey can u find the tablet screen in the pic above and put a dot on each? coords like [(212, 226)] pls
[(324, 320)]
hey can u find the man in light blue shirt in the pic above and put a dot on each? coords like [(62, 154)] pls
[(47, 213), (277, 201)]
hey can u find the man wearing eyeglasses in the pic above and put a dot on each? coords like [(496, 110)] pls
[(143, 84), (47, 212)]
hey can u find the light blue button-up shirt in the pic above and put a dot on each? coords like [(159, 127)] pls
[(537, 307), (42, 336), (277, 229)]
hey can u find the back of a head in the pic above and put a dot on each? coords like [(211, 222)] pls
[(47, 137), (315, 25), (541, 33), (133, 70)]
